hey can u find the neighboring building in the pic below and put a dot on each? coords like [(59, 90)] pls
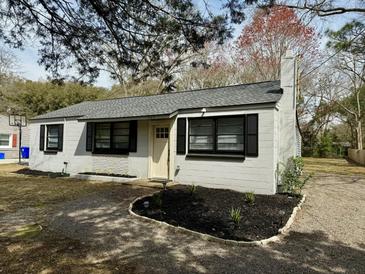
[(228, 137), (9, 138)]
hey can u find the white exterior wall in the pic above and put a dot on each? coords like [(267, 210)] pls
[(79, 160), (251, 174), (276, 136)]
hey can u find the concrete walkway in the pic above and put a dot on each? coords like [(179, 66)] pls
[(328, 235)]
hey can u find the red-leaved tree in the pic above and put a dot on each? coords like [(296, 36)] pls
[(265, 40)]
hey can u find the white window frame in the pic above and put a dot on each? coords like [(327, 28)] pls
[(10, 140)]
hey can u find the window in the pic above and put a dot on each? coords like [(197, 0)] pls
[(162, 132), (112, 137), (54, 137), (201, 134), (102, 136), (230, 134), (120, 135), (221, 135), (5, 140)]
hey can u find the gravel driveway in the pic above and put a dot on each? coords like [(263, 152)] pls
[(327, 236)]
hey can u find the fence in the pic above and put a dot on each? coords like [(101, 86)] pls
[(357, 156)]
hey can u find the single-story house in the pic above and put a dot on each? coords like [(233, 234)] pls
[(226, 137), (9, 139)]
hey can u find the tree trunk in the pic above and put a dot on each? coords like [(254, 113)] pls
[(359, 135)]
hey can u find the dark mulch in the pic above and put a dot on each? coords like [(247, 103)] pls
[(109, 174), (208, 211), (32, 172)]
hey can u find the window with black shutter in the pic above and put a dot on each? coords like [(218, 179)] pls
[(60, 137), (133, 129), (217, 135), (223, 135), (89, 136), (181, 136), (115, 137), (252, 136), (54, 137), (41, 137)]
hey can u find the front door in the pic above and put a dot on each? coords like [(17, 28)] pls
[(160, 153)]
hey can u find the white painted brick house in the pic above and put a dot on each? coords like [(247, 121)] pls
[(226, 137), (9, 138)]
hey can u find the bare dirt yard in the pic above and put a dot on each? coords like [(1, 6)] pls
[(63, 225)]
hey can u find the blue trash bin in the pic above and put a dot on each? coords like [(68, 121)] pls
[(25, 152), (2, 155)]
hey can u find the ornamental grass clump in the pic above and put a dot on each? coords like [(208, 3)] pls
[(250, 198), (192, 189), (157, 200), (235, 214)]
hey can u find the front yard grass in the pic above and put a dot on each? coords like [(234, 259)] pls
[(332, 166), (21, 191), (26, 242)]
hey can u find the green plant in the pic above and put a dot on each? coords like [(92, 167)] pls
[(325, 147), (157, 200), (250, 197), (192, 189), (291, 177), (235, 214)]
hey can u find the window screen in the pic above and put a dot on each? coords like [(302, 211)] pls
[(102, 135), (230, 134), (221, 135), (121, 135), (52, 137), (5, 140), (114, 138), (201, 134)]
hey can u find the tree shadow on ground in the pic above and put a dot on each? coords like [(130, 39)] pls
[(93, 233), (139, 247)]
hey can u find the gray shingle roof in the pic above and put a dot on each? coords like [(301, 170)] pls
[(166, 104)]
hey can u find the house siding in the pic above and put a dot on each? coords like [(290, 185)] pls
[(298, 143), (12, 152), (251, 174), (79, 160), (277, 141)]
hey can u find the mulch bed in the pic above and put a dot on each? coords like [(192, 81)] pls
[(109, 174), (207, 211), (32, 172)]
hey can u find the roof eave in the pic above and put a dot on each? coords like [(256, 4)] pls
[(37, 118), (271, 104)]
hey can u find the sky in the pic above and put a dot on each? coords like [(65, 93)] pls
[(28, 66)]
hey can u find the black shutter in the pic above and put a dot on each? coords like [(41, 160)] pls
[(181, 136), (133, 136), (252, 136), (41, 137), (89, 136), (60, 137)]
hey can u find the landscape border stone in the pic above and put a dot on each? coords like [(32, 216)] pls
[(103, 178)]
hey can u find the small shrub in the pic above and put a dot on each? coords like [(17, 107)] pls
[(235, 214), (250, 197), (325, 147), (291, 176), (157, 200), (192, 189)]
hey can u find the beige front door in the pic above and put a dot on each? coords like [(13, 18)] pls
[(160, 152)]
